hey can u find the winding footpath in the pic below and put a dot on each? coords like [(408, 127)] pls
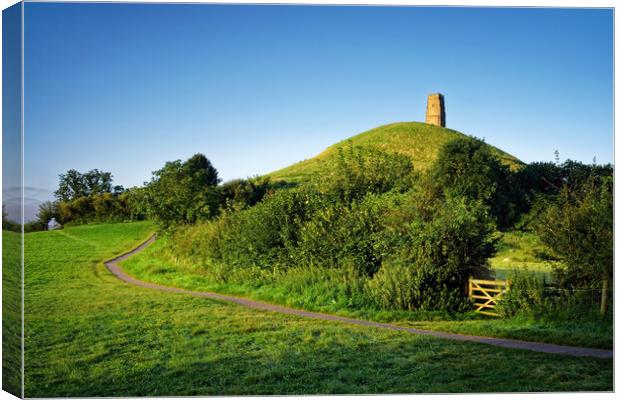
[(114, 268)]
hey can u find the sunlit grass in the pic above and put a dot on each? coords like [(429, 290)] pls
[(89, 334), (522, 251), (319, 290), (417, 140)]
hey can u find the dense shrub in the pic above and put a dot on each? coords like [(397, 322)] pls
[(261, 235), (353, 234), (525, 295), (540, 181), (104, 207), (359, 171), (530, 296), (434, 257), (183, 192), (467, 167), (242, 193), (578, 226)]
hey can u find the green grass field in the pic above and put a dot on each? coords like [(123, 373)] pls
[(521, 251), (11, 312), (88, 334), (417, 140)]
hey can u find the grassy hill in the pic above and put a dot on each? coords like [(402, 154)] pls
[(418, 140)]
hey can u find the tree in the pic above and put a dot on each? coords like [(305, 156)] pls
[(241, 193), (47, 211), (7, 223), (467, 167), (578, 226), (74, 184), (183, 192), (71, 185)]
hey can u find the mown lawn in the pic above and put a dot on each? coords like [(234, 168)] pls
[(88, 334)]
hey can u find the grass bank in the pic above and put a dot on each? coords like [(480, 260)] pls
[(89, 334)]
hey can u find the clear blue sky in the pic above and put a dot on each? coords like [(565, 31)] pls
[(126, 87)]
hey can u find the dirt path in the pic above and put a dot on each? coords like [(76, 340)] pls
[(113, 267)]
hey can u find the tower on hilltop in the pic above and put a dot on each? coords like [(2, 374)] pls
[(435, 110)]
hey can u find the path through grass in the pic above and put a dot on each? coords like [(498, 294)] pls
[(88, 334)]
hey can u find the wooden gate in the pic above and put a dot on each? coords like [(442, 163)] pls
[(485, 294)]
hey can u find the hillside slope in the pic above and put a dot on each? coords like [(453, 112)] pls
[(418, 140)]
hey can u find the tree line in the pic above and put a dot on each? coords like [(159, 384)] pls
[(413, 236), (178, 193)]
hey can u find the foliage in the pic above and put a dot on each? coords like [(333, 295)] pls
[(8, 224), (370, 210), (435, 256), (34, 226), (578, 226), (467, 167), (341, 234), (183, 192), (73, 184), (47, 211), (358, 171), (532, 300), (242, 193), (540, 180), (525, 296)]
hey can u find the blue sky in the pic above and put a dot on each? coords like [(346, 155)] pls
[(127, 87)]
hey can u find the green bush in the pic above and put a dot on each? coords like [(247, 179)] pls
[(387, 237), (434, 257), (526, 295), (413, 287), (354, 234), (242, 193), (360, 171), (183, 192), (530, 296)]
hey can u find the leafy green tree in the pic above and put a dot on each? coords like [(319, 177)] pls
[(241, 193), (183, 192), (7, 223), (97, 182), (578, 226), (74, 184), (47, 211), (467, 167), (71, 185)]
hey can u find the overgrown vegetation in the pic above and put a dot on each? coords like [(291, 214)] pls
[(372, 233), (373, 216)]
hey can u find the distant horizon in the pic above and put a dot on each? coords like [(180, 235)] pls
[(127, 87)]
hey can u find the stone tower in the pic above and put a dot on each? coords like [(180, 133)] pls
[(435, 110)]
